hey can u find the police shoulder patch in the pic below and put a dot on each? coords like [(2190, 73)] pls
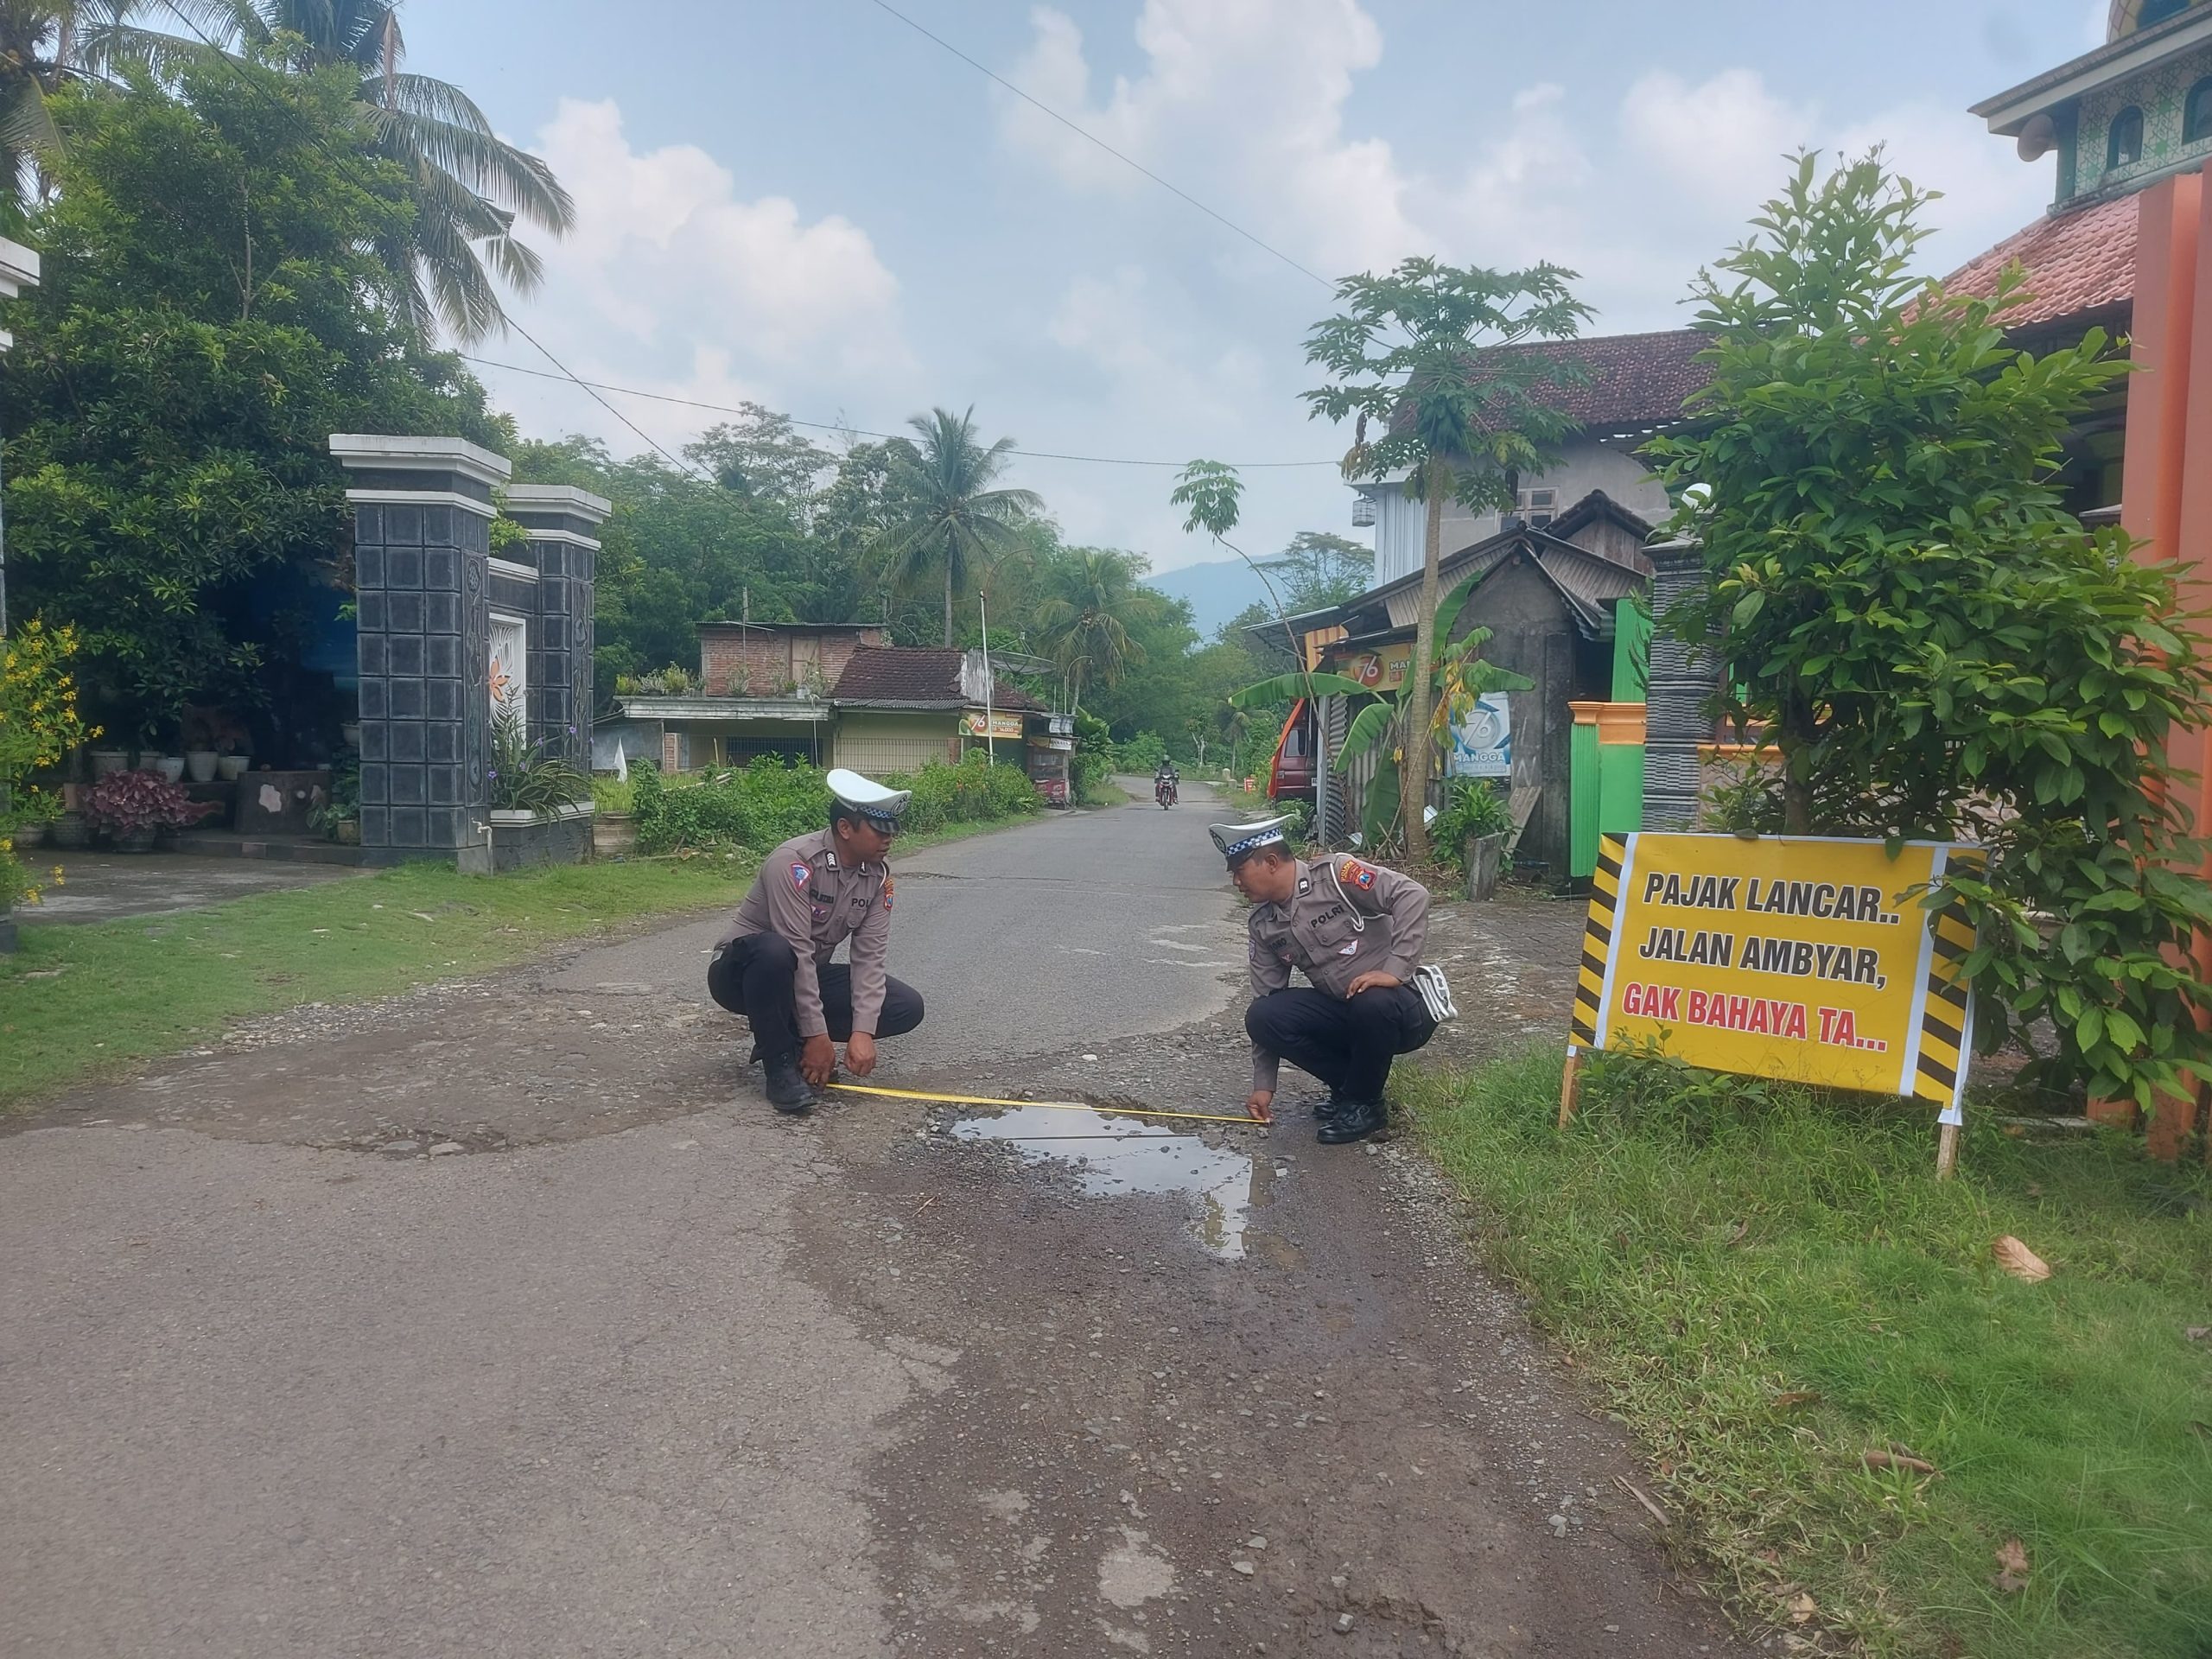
[(801, 874), (1359, 875), (887, 885)]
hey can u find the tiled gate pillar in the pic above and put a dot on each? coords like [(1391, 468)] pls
[(563, 556), (423, 511), (1683, 678)]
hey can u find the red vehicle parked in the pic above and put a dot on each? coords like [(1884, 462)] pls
[(1290, 775)]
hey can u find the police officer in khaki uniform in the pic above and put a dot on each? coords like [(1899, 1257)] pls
[(1355, 931), (773, 965)]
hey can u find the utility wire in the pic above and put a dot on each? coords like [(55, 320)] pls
[(595, 388), (841, 426), (1082, 132)]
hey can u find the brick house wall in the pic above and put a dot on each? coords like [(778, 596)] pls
[(766, 660)]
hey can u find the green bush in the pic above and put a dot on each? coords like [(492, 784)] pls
[(758, 806), (1092, 763), (770, 801), (1141, 754), (1472, 807), (975, 791), (615, 795)]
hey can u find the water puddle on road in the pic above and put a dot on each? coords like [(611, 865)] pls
[(1110, 1156)]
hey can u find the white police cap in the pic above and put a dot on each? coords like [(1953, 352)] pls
[(1236, 840), (881, 807)]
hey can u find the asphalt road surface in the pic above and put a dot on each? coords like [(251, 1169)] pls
[(505, 1319)]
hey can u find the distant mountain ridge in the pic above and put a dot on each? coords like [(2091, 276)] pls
[(1217, 591)]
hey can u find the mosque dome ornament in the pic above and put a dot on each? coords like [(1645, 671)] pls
[(2127, 16)]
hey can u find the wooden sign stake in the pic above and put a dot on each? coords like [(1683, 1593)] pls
[(1570, 1085), (1947, 1151)]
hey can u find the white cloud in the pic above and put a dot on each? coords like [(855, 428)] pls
[(663, 242), (1720, 144), (1247, 96), (672, 282)]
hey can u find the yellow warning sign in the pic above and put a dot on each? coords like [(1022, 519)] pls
[(1789, 956)]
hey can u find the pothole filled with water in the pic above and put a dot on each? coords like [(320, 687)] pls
[(1109, 1155)]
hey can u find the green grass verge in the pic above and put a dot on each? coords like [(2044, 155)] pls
[(1766, 1283), (79, 1002), (82, 1002)]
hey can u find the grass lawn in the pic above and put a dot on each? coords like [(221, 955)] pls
[(79, 1002), (82, 1002), (1766, 1284)]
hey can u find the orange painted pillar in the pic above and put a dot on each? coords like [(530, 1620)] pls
[(2170, 444)]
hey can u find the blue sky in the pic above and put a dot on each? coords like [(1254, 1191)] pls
[(808, 204)]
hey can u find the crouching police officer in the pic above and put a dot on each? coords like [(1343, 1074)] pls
[(1356, 930), (773, 965)]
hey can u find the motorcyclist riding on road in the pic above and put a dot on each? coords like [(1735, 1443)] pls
[(1165, 783)]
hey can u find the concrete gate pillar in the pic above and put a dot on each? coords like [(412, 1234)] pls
[(561, 572), (1683, 681), (423, 512)]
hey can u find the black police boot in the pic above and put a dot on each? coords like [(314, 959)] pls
[(1354, 1121), (1330, 1108), (787, 1091)]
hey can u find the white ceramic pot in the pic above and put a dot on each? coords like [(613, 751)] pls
[(107, 761), (231, 767), (201, 764), (171, 766), (350, 733)]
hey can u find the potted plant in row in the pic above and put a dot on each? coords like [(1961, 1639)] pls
[(340, 815), (134, 809)]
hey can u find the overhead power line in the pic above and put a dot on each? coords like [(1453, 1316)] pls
[(857, 431), (595, 388), (1085, 133)]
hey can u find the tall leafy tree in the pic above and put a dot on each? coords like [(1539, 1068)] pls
[(210, 314), (761, 455), (1422, 358), (1935, 646), (1084, 599), (468, 186), (1317, 570), (947, 517)]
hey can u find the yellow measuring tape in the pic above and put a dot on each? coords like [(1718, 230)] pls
[(1049, 1105)]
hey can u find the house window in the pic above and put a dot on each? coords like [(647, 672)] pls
[(1539, 507), (2196, 114), (2124, 147)]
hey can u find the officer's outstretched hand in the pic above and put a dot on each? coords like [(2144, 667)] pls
[(1260, 1103), (859, 1054), (818, 1059)]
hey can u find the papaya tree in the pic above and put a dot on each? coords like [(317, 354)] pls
[(1422, 358)]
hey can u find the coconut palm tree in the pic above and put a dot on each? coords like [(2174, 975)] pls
[(39, 55), (468, 187), (1078, 621), (945, 516)]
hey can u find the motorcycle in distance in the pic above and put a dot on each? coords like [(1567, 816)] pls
[(1163, 789)]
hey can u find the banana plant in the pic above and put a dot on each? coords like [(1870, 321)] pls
[(1460, 678)]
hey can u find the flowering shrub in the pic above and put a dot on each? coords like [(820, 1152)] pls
[(15, 881), (125, 803), (39, 722)]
